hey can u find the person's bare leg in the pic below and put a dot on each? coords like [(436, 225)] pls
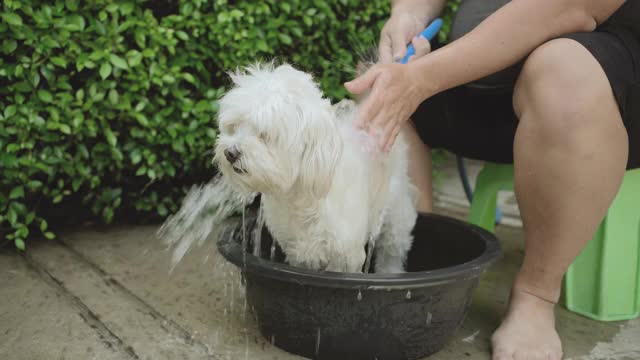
[(570, 155), (420, 168)]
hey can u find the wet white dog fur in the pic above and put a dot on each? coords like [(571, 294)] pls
[(325, 191)]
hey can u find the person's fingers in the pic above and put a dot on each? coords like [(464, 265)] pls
[(391, 137), (363, 82), (384, 49), (421, 45), (368, 110), (399, 45)]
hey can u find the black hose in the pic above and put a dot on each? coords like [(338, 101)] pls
[(464, 178)]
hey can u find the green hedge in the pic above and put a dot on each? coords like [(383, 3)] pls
[(107, 108)]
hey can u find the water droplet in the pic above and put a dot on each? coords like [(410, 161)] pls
[(408, 296), (318, 342), (359, 295), (429, 318)]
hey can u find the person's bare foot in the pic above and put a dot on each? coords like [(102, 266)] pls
[(528, 330)]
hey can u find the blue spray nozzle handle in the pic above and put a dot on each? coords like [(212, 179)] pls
[(429, 33)]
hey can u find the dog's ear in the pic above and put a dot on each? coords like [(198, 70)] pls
[(323, 148)]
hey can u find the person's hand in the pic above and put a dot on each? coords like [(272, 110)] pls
[(394, 94), (402, 27)]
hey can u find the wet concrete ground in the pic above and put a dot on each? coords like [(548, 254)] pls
[(105, 293)]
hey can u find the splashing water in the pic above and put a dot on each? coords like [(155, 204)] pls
[(408, 296), (245, 241), (257, 233), (202, 214), (318, 336), (272, 254), (371, 243)]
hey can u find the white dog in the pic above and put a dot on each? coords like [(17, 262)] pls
[(325, 194)]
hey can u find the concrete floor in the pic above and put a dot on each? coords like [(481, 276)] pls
[(105, 293)]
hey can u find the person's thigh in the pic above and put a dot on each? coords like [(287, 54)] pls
[(477, 120)]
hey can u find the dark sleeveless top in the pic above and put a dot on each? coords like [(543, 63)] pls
[(627, 18)]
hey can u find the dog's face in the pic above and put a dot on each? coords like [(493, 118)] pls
[(276, 132)]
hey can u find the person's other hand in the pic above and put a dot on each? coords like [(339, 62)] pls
[(402, 28), (394, 95)]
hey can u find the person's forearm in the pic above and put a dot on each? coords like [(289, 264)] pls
[(505, 37), (429, 9)]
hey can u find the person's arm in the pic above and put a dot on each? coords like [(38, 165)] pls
[(507, 36), (499, 41)]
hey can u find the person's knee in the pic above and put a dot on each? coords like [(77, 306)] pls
[(558, 86)]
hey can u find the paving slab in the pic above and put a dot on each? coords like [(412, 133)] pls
[(39, 321), (145, 331), (203, 295)]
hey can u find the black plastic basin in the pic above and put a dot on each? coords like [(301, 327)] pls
[(335, 316)]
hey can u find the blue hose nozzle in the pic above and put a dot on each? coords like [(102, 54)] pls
[(429, 33)]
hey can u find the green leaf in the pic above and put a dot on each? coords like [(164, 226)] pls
[(64, 128), (12, 216), (43, 225), (30, 218), (105, 70), (34, 184), (22, 232), (9, 45), (136, 157), (142, 120), (74, 22), (113, 96), (118, 62), (111, 138), (182, 35), (223, 16), (49, 235), (107, 214), (45, 95), (59, 61), (112, 7), (126, 8), (19, 244), (286, 39), (134, 58), (17, 192), (75, 184), (71, 4), (12, 19), (9, 111)]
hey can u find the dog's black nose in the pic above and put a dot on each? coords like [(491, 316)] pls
[(232, 154)]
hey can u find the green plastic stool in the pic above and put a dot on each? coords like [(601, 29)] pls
[(603, 283)]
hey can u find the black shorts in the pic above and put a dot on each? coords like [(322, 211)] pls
[(477, 120)]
